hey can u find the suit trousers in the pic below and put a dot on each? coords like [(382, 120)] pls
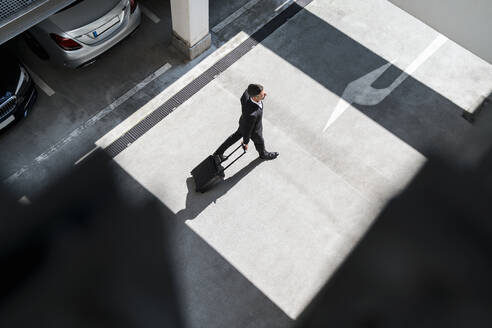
[(256, 136)]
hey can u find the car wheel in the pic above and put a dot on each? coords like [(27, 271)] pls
[(35, 46)]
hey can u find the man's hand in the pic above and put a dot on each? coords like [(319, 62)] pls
[(245, 146)]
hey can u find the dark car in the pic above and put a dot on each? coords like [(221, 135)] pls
[(17, 91)]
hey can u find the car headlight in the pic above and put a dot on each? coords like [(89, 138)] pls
[(23, 78)]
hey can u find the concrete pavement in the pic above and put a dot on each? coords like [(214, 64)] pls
[(287, 224)]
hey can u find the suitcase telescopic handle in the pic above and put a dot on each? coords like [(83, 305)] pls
[(244, 152)]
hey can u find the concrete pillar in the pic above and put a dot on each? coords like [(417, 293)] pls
[(190, 26)]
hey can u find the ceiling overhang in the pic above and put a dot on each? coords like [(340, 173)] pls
[(16, 16)]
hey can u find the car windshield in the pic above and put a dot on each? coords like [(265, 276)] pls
[(76, 2)]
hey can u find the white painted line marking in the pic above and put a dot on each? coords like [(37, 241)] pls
[(24, 200), (361, 91), (283, 5), (102, 113), (94, 119), (85, 156), (40, 83), (426, 54), (153, 17), (234, 15)]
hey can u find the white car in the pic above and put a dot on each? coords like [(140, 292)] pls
[(77, 34)]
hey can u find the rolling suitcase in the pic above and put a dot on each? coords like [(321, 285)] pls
[(210, 171)]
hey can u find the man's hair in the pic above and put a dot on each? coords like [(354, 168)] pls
[(254, 89)]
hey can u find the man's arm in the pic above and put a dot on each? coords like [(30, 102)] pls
[(244, 98)]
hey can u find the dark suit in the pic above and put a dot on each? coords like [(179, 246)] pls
[(250, 126)]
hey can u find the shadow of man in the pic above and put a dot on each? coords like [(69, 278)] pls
[(196, 202)]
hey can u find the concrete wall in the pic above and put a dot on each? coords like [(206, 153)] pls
[(467, 22)]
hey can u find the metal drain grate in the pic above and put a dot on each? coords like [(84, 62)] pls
[(197, 84)]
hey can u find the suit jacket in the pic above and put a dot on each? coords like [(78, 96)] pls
[(251, 116)]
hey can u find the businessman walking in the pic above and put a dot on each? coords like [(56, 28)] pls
[(250, 125)]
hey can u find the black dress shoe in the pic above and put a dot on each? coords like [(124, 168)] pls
[(269, 155)]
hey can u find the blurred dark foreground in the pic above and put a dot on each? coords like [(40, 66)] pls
[(81, 255)]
